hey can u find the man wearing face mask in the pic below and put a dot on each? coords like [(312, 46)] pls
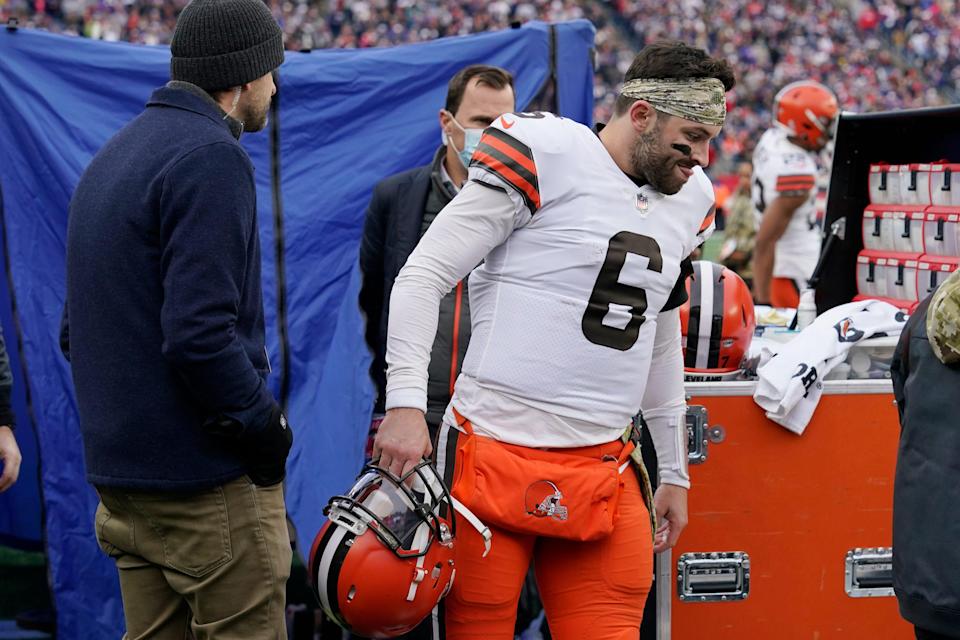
[(402, 209), (581, 238), (164, 330)]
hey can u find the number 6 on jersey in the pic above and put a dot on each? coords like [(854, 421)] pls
[(609, 290)]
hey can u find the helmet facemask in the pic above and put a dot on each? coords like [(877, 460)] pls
[(400, 511)]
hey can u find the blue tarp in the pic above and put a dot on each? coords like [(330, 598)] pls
[(346, 120), (20, 506)]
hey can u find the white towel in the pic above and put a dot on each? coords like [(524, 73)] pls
[(791, 378)]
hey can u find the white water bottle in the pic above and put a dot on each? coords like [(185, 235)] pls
[(806, 310)]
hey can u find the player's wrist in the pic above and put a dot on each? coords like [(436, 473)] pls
[(405, 412), (674, 480)]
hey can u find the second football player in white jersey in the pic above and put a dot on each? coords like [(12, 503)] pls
[(784, 192), (580, 238)]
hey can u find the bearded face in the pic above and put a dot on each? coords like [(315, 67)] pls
[(658, 162), (256, 107), (256, 116)]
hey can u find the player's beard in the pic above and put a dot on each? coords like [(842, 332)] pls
[(656, 165)]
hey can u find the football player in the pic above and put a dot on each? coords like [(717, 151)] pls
[(784, 192), (580, 237)]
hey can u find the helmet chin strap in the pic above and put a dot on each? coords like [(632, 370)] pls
[(422, 536), (420, 539), (475, 522)]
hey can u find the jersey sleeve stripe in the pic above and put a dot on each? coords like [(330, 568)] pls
[(508, 140), (708, 220), (520, 169), (529, 192), (510, 154), (793, 183)]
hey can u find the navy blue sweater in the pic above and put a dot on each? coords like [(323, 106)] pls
[(164, 324)]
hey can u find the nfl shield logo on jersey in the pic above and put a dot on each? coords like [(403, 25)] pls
[(642, 204)]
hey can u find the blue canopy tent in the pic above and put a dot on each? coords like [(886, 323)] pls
[(21, 514), (343, 120)]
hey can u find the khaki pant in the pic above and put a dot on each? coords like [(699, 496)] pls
[(213, 564)]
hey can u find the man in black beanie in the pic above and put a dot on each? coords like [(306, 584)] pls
[(164, 330)]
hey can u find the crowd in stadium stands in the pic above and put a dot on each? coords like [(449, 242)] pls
[(876, 54), (870, 65)]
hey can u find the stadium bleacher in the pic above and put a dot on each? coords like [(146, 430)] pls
[(876, 54)]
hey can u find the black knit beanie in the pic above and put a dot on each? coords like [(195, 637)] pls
[(220, 44)]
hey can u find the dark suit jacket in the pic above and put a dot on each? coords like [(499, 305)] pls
[(391, 230)]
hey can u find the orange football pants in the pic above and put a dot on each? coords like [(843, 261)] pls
[(784, 293), (594, 590)]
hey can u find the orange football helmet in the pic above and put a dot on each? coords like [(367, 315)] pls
[(384, 559), (807, 110), (717, 322)]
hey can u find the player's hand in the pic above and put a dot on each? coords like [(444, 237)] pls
[(10, 457), (670, 502), (402, 441)]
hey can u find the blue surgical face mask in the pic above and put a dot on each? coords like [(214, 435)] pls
[(471, 138)]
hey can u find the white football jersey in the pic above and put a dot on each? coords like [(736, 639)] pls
[(564, 311), (779, 166)]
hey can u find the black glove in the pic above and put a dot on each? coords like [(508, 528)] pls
[(266, 450)]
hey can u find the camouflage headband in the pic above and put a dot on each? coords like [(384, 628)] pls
[(698, 99), (943, 320)]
